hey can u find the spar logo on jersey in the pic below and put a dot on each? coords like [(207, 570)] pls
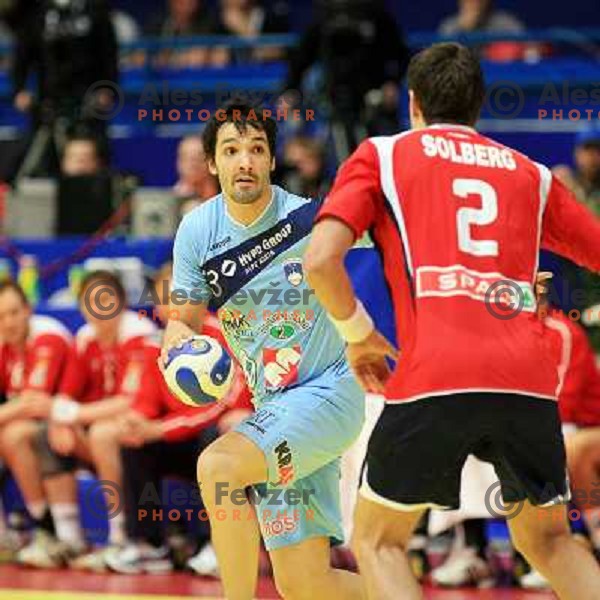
[(293, 271), (285, 465), (280, 366), (456, 280)]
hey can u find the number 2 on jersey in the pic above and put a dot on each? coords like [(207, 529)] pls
[(466, 217)]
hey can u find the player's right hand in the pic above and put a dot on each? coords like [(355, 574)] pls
[(368, 360), (62, 438)]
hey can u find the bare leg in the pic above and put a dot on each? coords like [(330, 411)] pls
[(380, 541), (543, 536), (229, 464), (303, 572), (17, 446)]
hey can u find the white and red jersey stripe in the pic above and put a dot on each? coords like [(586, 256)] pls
[(456, 216)]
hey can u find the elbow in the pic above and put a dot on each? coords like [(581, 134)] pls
[(319, 266)]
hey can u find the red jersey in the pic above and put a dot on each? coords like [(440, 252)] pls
[(181, 421), (579, 375), (42, 363), (104, 371), (458, 218)]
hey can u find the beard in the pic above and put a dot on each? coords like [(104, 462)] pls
[(246, 196)]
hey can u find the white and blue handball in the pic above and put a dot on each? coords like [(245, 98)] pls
[(199, 371)]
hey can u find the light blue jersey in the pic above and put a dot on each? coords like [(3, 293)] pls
[(252, 277), (309, 407)]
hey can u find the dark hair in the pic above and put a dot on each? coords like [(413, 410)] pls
[(10, 284), (448, 84), (107, 278), (243, 116)]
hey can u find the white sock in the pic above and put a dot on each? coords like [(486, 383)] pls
[(66, 521), (37, 509), (116, 530)]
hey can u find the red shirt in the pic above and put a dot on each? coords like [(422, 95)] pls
[(43, 362), (181, 421), (453, 213), (579, 375), (114, 370)]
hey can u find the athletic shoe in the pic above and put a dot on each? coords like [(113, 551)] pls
[(46, 552), (205, 562), (463, 568), (95, 560), (10, 544), (140, 558), (534, 580)]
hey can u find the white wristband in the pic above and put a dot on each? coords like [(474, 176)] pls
[(357, 328), (64, 410)]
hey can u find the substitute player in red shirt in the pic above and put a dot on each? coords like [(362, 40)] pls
[(459, 220)]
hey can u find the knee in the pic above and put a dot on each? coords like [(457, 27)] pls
[(297, 584), (216, 465), (15, 433), (103, 435)]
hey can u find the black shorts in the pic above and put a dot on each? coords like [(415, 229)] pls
[(418, 449)]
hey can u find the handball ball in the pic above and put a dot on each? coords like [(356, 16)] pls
[(199, 371)]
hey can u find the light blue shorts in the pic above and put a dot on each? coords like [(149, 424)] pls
[(303, 431)]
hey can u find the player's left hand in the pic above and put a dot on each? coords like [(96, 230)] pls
[(368, 361)]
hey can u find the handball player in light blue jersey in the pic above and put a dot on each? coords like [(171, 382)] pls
[(240, 255)]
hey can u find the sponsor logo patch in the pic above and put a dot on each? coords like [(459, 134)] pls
[(281, 366), (456, 280)]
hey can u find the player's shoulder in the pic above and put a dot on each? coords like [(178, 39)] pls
[(293, 207), (204, 215), (379, 143), (45, 327)]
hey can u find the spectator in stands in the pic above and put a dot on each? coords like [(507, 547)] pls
[(162, 437), (195, 184), (184, 18), (360, 49), (81, 157), (111, 351), (482, 16), (84, 174), (248, 19), (304, 168), (584, 182), (69, 46), (36, 356)]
